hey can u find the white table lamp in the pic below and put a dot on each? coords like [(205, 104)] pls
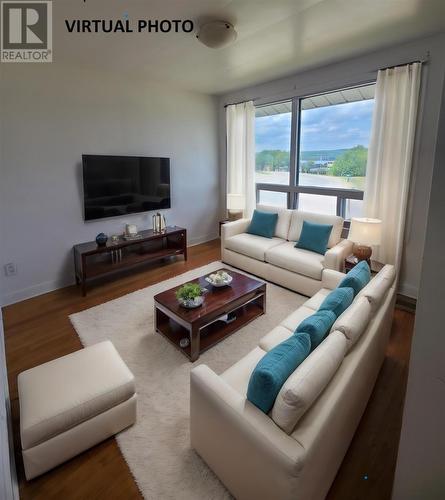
[(365, 232), (235, 203)]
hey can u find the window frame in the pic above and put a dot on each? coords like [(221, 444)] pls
[(293, 189)]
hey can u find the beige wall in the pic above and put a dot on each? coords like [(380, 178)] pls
[(50, 115), (420, 473)]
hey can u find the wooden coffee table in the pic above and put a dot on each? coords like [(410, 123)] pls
[(243, 301)]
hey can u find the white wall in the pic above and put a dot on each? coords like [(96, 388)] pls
[(360, 70), (50, 115), (420, 472), (8, 476)]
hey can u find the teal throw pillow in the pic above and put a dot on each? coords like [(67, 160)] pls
[(314, 237), (317, 326), (274, 369), (338, 300), (357, 278), (263, 224)]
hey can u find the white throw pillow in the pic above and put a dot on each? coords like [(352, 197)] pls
[(377, 288), (306, 383), (353, 322)]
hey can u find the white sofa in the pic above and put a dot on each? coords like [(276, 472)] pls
[(298, 457), (276, 259)]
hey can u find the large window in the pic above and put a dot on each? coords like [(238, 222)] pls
[(273, 143), (311, 152)]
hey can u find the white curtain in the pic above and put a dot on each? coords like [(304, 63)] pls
[(390, 156), (240, 123)]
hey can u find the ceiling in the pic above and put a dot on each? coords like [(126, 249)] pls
[(362, 93), (275, 37)]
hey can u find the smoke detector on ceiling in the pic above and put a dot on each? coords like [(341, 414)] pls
[(216, 34)]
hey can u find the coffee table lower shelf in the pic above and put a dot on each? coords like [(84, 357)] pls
[(204, 337)]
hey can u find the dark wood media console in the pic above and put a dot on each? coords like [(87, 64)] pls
[(92, 261)]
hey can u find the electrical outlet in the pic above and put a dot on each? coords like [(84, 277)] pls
[(10, 269)]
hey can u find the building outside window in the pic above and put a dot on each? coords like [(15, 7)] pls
[(311, 152)]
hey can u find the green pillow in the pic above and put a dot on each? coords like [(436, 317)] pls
[(317, 326), (338, 300), (357, 278), (314, 237), (263, 224), (274, 369)]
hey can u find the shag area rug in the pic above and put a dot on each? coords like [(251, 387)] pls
[(157, 448)]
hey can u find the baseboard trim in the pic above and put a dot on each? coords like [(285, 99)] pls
[(406, 303), (202, 239), (50, 286), (34, 291)]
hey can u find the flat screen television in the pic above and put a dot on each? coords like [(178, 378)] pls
[(121, 185)]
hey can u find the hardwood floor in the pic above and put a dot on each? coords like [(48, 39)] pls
[(38, 330)]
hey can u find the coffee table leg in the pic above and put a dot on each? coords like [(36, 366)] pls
[(263, 302), (194, 343)]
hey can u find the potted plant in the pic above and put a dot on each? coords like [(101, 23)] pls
[(190, 295)]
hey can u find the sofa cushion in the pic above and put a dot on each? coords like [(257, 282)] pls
[(296, 225), (307, 382), (296, 260), (274, 337), (330, 278), (357, 277), (252, 245), (295, 318), (316, 300), (238, 375), (67, 391), (314, 237), (338, 300), (377, 288), (353, 322), (283, 223), (274, 369), (263, 224), (317, 326)]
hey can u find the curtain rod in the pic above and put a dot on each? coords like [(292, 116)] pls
[(421, 61), (241, 102)]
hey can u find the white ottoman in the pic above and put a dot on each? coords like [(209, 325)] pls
[(73, 403)]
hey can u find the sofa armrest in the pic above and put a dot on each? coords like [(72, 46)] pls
[(230, 433), (330, 278), (230, 229), (335, 257)]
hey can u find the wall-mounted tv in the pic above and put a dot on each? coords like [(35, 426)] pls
[(121, 185)]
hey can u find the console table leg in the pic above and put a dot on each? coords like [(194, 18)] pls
[(84, 285), (184, 244), (194, 343)]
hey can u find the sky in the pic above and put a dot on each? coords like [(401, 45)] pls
[(331, 127)]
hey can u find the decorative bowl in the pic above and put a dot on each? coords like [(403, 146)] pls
[(184, 342), (219, 279), (192, 303)]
